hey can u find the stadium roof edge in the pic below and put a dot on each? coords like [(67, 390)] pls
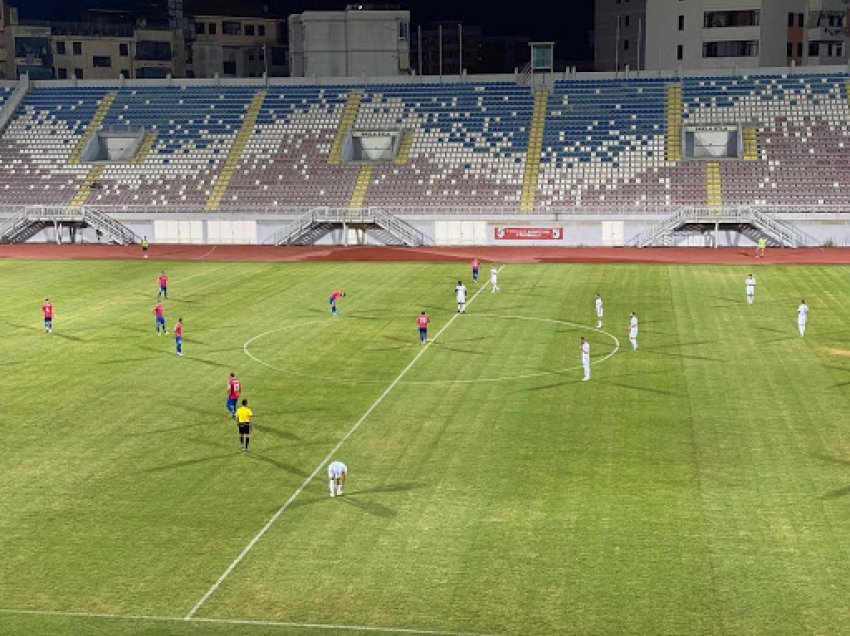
[(434, 79)]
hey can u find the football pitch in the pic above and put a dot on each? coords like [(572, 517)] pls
[(698, 485)]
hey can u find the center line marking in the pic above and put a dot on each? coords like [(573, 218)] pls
[(327, 458)]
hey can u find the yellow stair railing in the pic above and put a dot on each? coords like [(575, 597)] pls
[(673, 147), (82, 194), (361, 186), (349, 114), (92, 128), (223, 178), (404, 144), (713, 186), (144, 148), (751, 146), (532, 155)]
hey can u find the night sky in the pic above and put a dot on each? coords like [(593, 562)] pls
[(566, 22)]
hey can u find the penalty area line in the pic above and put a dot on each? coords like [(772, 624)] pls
[(235, 621), (324, 461)]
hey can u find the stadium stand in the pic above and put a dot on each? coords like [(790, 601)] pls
[(607, 144)]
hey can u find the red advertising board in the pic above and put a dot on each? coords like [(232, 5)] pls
[(528, 233)]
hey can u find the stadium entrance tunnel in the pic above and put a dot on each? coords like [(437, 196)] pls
[(371, 146), (114, 145)]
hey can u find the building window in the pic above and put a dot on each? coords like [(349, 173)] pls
[(789, 50), (199, 28), (124, 49), (790, 19), (681, 23), (799, 49), (101, 61), (680, 52), (814, 49), (153, 50), (251, 57), (249, 29), (77, 48), (212, 29), (231, 28), (403, 31), (78, 73), (731, 48), (626, 21), (261, 30), (229, 68), (800, 20), (626, 44), (723, 19), (839, 49), (62, 73), (125, 73), (60, 49)]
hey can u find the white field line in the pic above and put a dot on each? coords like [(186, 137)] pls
[(503, 378), (236, 621), (324, 461)]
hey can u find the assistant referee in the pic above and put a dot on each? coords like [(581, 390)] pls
[(243, 421)]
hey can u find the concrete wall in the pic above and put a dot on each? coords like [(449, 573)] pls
[(574, 231), (348, 43)]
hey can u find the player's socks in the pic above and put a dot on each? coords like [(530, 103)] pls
[(247, 441), (339, 491), (333, 491)]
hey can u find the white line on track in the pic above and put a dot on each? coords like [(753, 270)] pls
[(237, 621), (321, 464)]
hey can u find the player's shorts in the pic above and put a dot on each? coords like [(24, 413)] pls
[(244, 429), (751, 291), (160, 320), (231, 403), (423, 331), (331, 301), (178, 339), (163, 288), (633, 333), (48, 320), (599, 313)]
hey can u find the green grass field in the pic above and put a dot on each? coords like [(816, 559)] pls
[(700, 485)]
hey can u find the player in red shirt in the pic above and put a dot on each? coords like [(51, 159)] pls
[(160, 319), (422, 321), (475, 264), (163, 286), (234, 388), (332, 301), (47, 310), (178, 336)]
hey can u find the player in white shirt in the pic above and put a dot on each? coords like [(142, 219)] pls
[(633, 329), (337, 472), (494, 280), (585, 358), (599, 311), (751, 288), (802, 317), (460, 293)]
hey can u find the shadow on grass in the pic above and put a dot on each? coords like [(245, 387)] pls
[(210, 363), (645, 389), (289, 468), (55, 334), (268, 430), (370, 507), (838, 492), (185, 463), (170, 429)]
